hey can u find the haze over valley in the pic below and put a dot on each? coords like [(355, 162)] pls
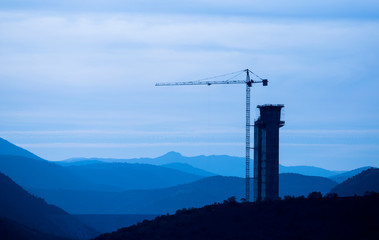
[(107, 194)]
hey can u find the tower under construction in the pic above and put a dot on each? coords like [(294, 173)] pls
[(266, 152)]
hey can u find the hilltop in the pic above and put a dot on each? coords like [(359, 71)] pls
[(366, 181), (339, 178), (7, 148), (324, 218)]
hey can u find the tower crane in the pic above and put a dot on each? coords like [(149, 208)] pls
[(248, 82)]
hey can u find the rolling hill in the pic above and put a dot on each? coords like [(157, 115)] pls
[(292, 184), (184, 167), (366, 181), (159, 201), (309, 171), (128, 176), (152, 201), (215, 164), (34, 172), (43, 174), (198, 165), (7, 148), (306, 219), (219, 165), (339, 178), (30, 172), (19, 206)]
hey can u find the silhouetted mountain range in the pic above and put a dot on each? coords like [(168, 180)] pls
[(30, 172), (305, 219), (93, 176), (98, 186), (34, 213), (159, 201), (154, 201), (199, 165), (216, 164), (184, 167), (309, 171), (366, 181), (219, 165), (127, 176)]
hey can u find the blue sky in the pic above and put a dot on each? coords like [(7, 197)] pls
[(77, 77)]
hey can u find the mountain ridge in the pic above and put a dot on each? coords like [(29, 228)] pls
[(127, 176), (361, 184), (42, 174), (8, 148), (20, 206), (159, 201), (343, 176), (217, 164), (184, 167), (214, 164)]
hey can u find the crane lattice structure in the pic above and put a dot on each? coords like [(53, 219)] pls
[(248, 82)]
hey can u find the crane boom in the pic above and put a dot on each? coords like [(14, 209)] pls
[(201, 83), (248, 83)]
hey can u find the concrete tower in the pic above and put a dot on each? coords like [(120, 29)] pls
[(266, 153)]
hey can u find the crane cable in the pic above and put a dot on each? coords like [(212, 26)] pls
[(255, 75), (235, 74), (223, 75)]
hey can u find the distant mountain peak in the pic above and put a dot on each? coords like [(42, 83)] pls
[(172, 154)]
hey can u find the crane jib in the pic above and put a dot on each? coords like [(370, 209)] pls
[(248, 82), (204, 83)]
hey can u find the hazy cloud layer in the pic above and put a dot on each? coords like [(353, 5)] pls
[(83, 72)]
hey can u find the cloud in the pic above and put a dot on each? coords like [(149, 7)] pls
[(138, 31), (350, 147), (88, 50), (282, 8), (127, 145), (79, 70), (140, 133), (330, 132)]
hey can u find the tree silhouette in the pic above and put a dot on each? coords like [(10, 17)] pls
[(315, 195)]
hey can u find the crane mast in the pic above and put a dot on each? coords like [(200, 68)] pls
[(248, 82), (247, 156)]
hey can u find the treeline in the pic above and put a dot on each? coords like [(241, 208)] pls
[(328, 217)]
